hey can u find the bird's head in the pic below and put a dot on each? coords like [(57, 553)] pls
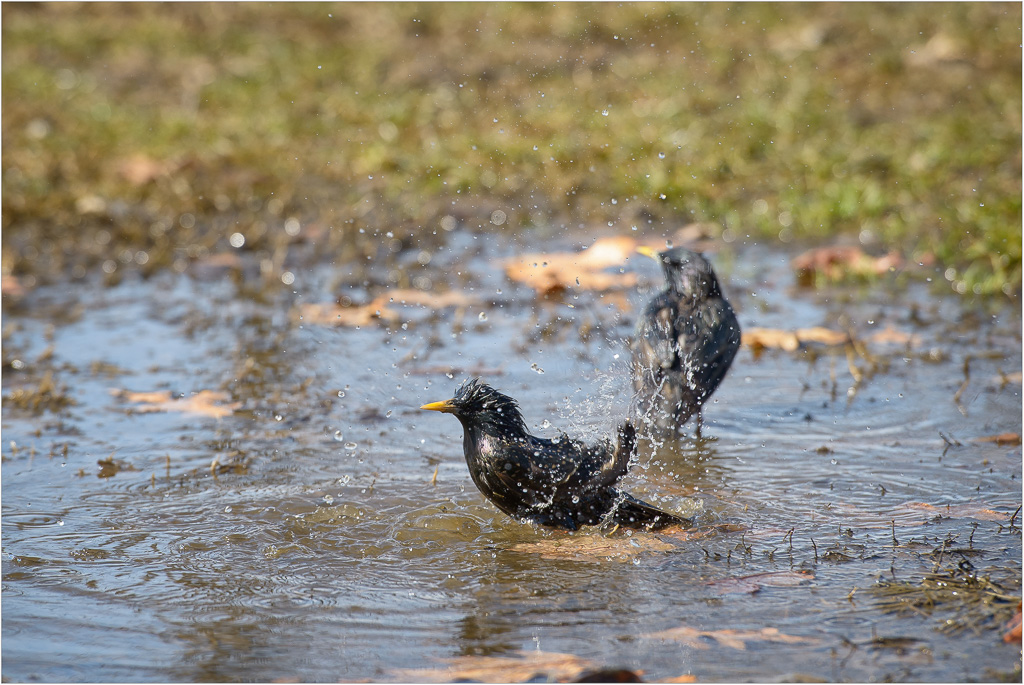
[(479, 405), (686, 272)]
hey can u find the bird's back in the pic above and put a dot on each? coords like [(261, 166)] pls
[(682, 350)]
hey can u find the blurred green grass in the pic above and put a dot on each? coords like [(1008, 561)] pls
[(142, 136)]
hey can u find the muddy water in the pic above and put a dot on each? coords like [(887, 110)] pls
[(321, 545)]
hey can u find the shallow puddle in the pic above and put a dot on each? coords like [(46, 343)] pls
[(324, 528)]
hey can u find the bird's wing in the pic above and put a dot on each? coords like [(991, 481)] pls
[(543, 471), (708, 338), (655, 342), (536, 470)]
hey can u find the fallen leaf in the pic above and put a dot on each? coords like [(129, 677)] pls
[(528, 666), (771, 338), (1001, 439), (594, 547), (790, 341), (940, 50), (204, 402), (110, 467), (139, 169), (408, 296), (378, 308), (836, 263), (752, 583), (685, 678), (11, 286), (960, 511), (688, 534), (1013, 627), (825, 336), (890, 335), (551, 272), (477, 369), (735, 639), (338, 315)]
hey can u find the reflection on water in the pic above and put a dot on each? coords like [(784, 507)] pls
[(322, 545)]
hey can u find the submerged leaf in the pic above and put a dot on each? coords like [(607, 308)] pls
[(381, 308), (551, 272), (528, 666), (594, 547), (752, 583), (204, 402), (1001, 439), (792, 340), (734, 639), (330, 314), (1013, 627), (837, 263), (970, 510)]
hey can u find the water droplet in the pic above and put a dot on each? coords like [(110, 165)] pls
[(350, 446), (338, 436), (227, 509), (328, 499), (387, 414), (483, 316), (536, 368), (341, 393)]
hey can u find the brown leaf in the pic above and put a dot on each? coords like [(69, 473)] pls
[(527, 666), (825, 336), (330, 314), (735, 639), (594, 547), (139, 169), (688, 534), (551, 272), (836, 263), (1001, 439), (752, 583), (890, 335), (1013, 628), (960, 511), (11, 286), (759, 338), (110, 467), (380, 309), (204, 402), (770, 338), (409, 296)]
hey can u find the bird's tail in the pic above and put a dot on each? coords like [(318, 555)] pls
[(625, 449), (633, 513)]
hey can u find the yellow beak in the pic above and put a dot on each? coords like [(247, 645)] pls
[(647, 251), (447, 407)]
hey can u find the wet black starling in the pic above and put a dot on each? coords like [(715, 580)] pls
[(561, 482), (685, 342)]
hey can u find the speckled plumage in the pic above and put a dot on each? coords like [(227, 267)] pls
[(685, 342), (553, 482)]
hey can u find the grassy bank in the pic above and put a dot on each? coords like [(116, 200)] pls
[(145, 136)]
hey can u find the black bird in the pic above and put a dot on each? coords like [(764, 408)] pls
[(685, 342), (560, 482)]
